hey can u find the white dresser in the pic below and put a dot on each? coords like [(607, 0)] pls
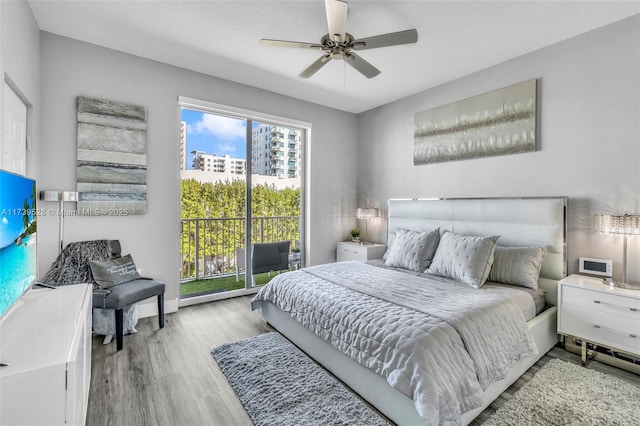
[(46, 340), (595, 312), (347, 250)]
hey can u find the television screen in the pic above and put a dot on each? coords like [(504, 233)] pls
[(17, 237)]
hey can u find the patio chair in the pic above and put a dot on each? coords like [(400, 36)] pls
[(270, 257), (265, 257)]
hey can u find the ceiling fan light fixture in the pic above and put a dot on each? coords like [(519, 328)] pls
[(338, 44)]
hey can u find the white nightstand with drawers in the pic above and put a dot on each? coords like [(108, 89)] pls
[(347, 250), (596, 312)]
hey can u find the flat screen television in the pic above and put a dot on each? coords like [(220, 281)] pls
[(18, 266)]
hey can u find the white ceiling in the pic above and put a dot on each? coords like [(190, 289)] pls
[(220, 38)]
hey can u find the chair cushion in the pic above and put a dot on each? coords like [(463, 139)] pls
[(121, 295)]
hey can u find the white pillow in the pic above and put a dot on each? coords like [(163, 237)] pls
[(413, 250), (390, 238), (517, 266), (464, 258)]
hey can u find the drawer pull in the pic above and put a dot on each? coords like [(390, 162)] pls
[(615, 306), (633, 336)]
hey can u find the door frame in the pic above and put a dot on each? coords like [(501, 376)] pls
[(251, 116)]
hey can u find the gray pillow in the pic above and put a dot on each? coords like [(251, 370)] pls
[(517, 266), (464, 258), (412, 250), (112, 272), (390, 238)]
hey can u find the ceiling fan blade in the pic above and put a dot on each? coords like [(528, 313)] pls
[(336, 19), (384, 40), (286, 43), (361, 65), (314, 67)]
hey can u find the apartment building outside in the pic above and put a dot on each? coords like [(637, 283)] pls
[(275, 151), (218, 163), (183, 145)]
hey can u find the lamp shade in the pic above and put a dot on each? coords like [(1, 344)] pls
[(622, 225), (368, 213)]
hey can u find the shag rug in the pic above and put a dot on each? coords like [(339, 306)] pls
[(562, 393), (280, 385)]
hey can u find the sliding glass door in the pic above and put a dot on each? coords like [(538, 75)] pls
[(241, 185)]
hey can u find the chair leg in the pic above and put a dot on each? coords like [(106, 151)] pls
[(119, 327), (161, 310)]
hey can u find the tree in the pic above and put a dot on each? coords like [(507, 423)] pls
[(275, 213)]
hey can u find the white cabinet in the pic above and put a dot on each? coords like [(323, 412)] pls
[(347, 250), (595, 312), (46, 342)]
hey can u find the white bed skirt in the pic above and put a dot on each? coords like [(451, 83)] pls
[(375, 389)]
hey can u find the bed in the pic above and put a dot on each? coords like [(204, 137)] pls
[(385, 329)]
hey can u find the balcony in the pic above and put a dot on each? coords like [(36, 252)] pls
[(208, 246)]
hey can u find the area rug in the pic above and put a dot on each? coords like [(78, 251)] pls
[(562, 393), (279, 385)]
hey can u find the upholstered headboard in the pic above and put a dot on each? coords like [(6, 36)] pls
[(518, 222)]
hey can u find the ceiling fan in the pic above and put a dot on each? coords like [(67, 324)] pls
[(339, 44)]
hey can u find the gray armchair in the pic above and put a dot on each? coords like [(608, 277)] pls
[(72, 267)]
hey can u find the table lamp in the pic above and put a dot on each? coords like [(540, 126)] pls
[(625, 225), (367, 214)]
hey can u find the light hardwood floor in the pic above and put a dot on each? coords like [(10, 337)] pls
[(168, 376)]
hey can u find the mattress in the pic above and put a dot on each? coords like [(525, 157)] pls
[(538, 296), (440, 343)]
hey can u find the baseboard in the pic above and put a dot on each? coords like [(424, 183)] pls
[(150, 308), (212, 297)]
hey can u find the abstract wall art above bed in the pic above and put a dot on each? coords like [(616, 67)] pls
[(495, 123)]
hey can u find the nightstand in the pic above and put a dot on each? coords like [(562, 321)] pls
[(348, 250), (594, 312)]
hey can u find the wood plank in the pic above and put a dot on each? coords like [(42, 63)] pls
[(111, 187), (111, 208), (168, 376), (110, 157), (111, 108), (108, 121), (98, 174), (92, 136)]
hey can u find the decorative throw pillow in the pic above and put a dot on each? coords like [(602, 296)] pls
[(464, 258), (413, 250), (116, 271), (390, 238), (517, 266)]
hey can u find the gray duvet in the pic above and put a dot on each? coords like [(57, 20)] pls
[(438, 342)]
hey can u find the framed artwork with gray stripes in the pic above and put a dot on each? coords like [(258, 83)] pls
[(112, 158)]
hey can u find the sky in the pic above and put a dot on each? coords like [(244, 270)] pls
[(214, 134)]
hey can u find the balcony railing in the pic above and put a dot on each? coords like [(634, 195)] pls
[(208, 246)]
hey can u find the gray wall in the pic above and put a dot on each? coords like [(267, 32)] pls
[(20, 67), (589, 115), (71, 68)]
